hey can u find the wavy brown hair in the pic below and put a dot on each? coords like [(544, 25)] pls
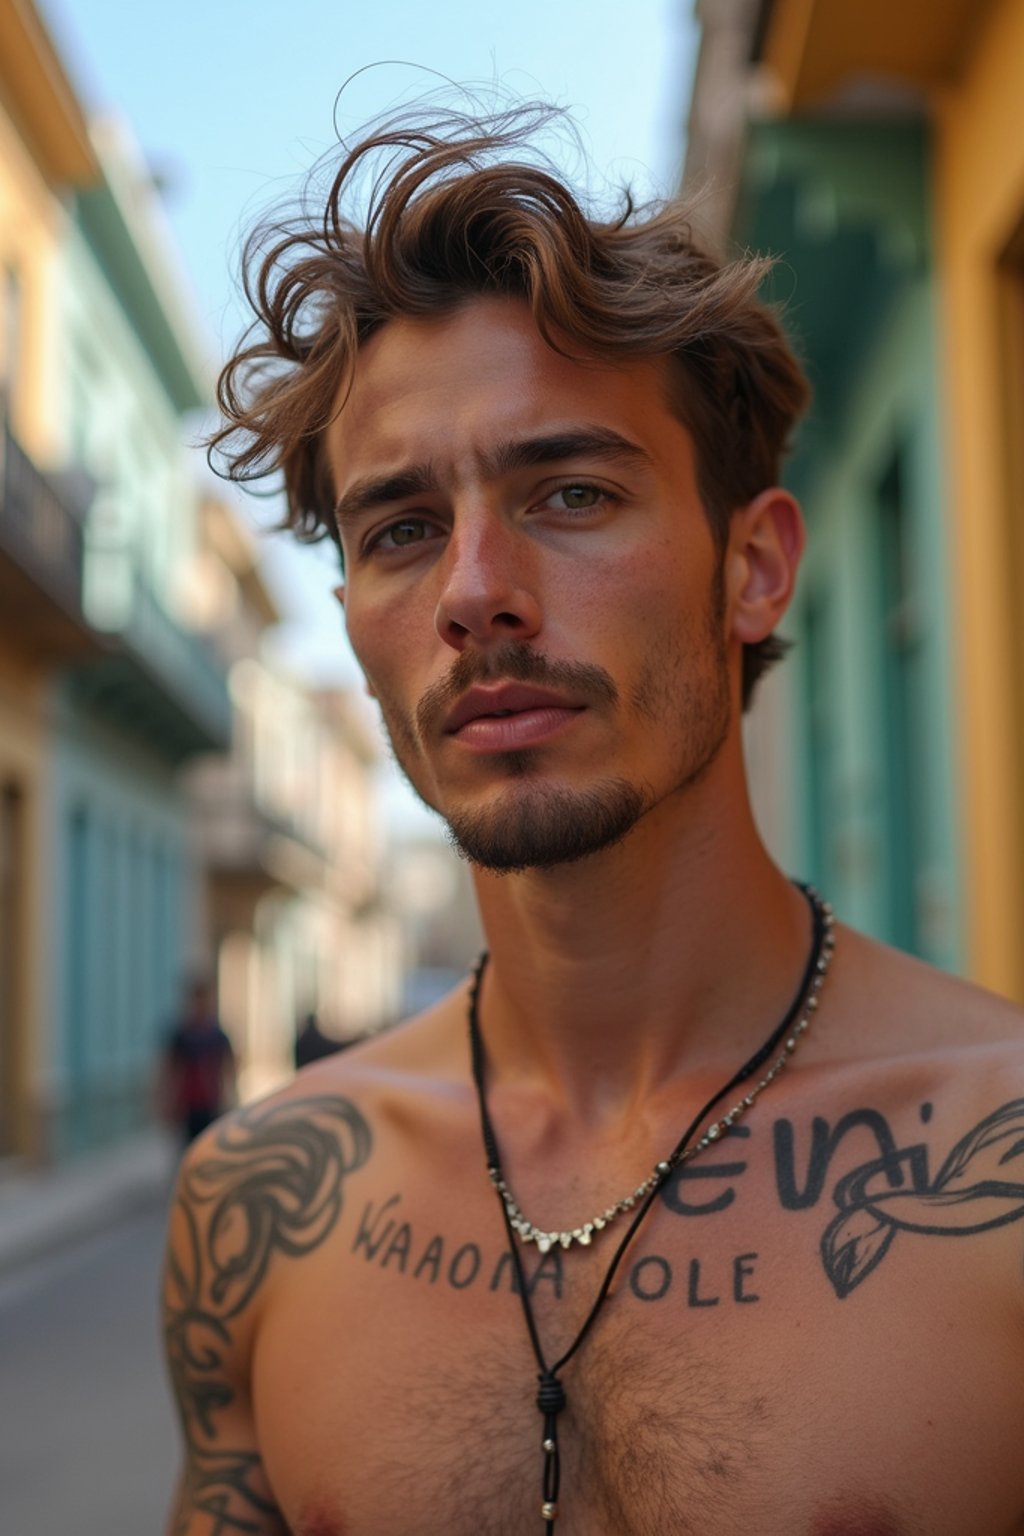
[(460, 207)]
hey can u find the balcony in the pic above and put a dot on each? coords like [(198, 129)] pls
[(158, 679), (247, 850), (41, 561)]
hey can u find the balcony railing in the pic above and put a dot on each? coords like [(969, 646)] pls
[(39, 532), (170, 678)]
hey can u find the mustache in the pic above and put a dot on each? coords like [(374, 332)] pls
[(515, 662)]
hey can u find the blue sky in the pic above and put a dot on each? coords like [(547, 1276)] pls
[(232, 103)]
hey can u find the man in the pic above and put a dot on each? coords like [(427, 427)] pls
[(550, 448), (198, 1065)]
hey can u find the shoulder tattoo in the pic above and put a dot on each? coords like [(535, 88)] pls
[(269, 1188)]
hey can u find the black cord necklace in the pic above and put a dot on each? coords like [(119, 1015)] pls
[(551, 1393)]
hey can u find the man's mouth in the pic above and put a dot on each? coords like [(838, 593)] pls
[(509, 716)]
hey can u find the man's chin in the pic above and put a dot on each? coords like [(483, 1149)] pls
[(542, 826)]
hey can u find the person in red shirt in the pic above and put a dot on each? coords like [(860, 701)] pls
[(198, 1065)]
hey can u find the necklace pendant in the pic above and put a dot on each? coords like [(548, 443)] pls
[(546, 1240)]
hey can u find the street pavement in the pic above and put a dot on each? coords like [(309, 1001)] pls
[(88, 1435)]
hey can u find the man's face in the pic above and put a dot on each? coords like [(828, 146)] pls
[(532, 587)]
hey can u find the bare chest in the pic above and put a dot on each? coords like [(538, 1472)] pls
[(726, 1386)]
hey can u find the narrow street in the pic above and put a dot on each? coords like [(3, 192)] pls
[(88, 1436)]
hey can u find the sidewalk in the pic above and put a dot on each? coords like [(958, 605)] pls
[(42, 1210)]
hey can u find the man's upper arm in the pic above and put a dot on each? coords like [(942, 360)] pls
[(207, 1342), (262, 1188)]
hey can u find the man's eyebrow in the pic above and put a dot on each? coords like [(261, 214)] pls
[(379, 490), (572, 443)]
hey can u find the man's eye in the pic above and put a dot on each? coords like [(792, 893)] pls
[(578, 498), (411, 530)]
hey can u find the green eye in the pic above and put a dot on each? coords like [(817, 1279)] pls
[(580, 496), (409, 532)]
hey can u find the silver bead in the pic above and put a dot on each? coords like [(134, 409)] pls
[(548, 1511), (549, 1446)]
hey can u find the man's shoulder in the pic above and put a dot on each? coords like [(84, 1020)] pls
[(891, 1006), (338, 1095)]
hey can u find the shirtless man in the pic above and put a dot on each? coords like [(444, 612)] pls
[(551, 449)]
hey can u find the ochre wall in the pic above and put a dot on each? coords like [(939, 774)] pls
[(979, 203), (22, 765)]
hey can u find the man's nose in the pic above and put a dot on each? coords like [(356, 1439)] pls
[(490, 586)]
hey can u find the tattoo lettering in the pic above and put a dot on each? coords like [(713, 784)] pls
[(889, 1192), (272, 1188), (797, 1191), (825, 1142), (971, 1193), (385, 1241), (651, 1279), (683, 1204)]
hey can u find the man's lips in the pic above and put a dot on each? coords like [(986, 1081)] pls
[(510, 715)]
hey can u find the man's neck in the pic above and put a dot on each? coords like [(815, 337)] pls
[(673, 953)]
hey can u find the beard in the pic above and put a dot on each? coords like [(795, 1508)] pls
[(546, 825), (534, 824)]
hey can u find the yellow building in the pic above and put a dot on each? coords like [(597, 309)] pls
[(44, 155), (958, 67)]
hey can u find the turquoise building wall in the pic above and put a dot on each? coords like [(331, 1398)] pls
[(121, 886), (868, 756)]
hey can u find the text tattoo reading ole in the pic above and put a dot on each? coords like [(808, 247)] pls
[(692, 1210)]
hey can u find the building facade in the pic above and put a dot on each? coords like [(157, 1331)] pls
[(45, 155), (124, 920), (287, 835), (857, 143), (105, 690)]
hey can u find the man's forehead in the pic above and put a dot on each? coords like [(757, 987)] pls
[(475, 379)]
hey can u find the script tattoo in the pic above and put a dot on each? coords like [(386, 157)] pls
[(271, 1187), (980, 1186)]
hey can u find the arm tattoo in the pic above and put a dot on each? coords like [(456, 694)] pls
[(273, 1186)]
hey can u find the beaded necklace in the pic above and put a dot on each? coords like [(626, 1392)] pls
[(788, 1033)]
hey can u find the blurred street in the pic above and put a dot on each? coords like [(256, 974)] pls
[(88, 1437)]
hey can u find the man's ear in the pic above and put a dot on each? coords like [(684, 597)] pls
[(766, 541)]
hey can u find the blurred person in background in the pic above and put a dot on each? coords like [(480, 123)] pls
[(691, 1209), (311, 1044), (198, 1064)]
